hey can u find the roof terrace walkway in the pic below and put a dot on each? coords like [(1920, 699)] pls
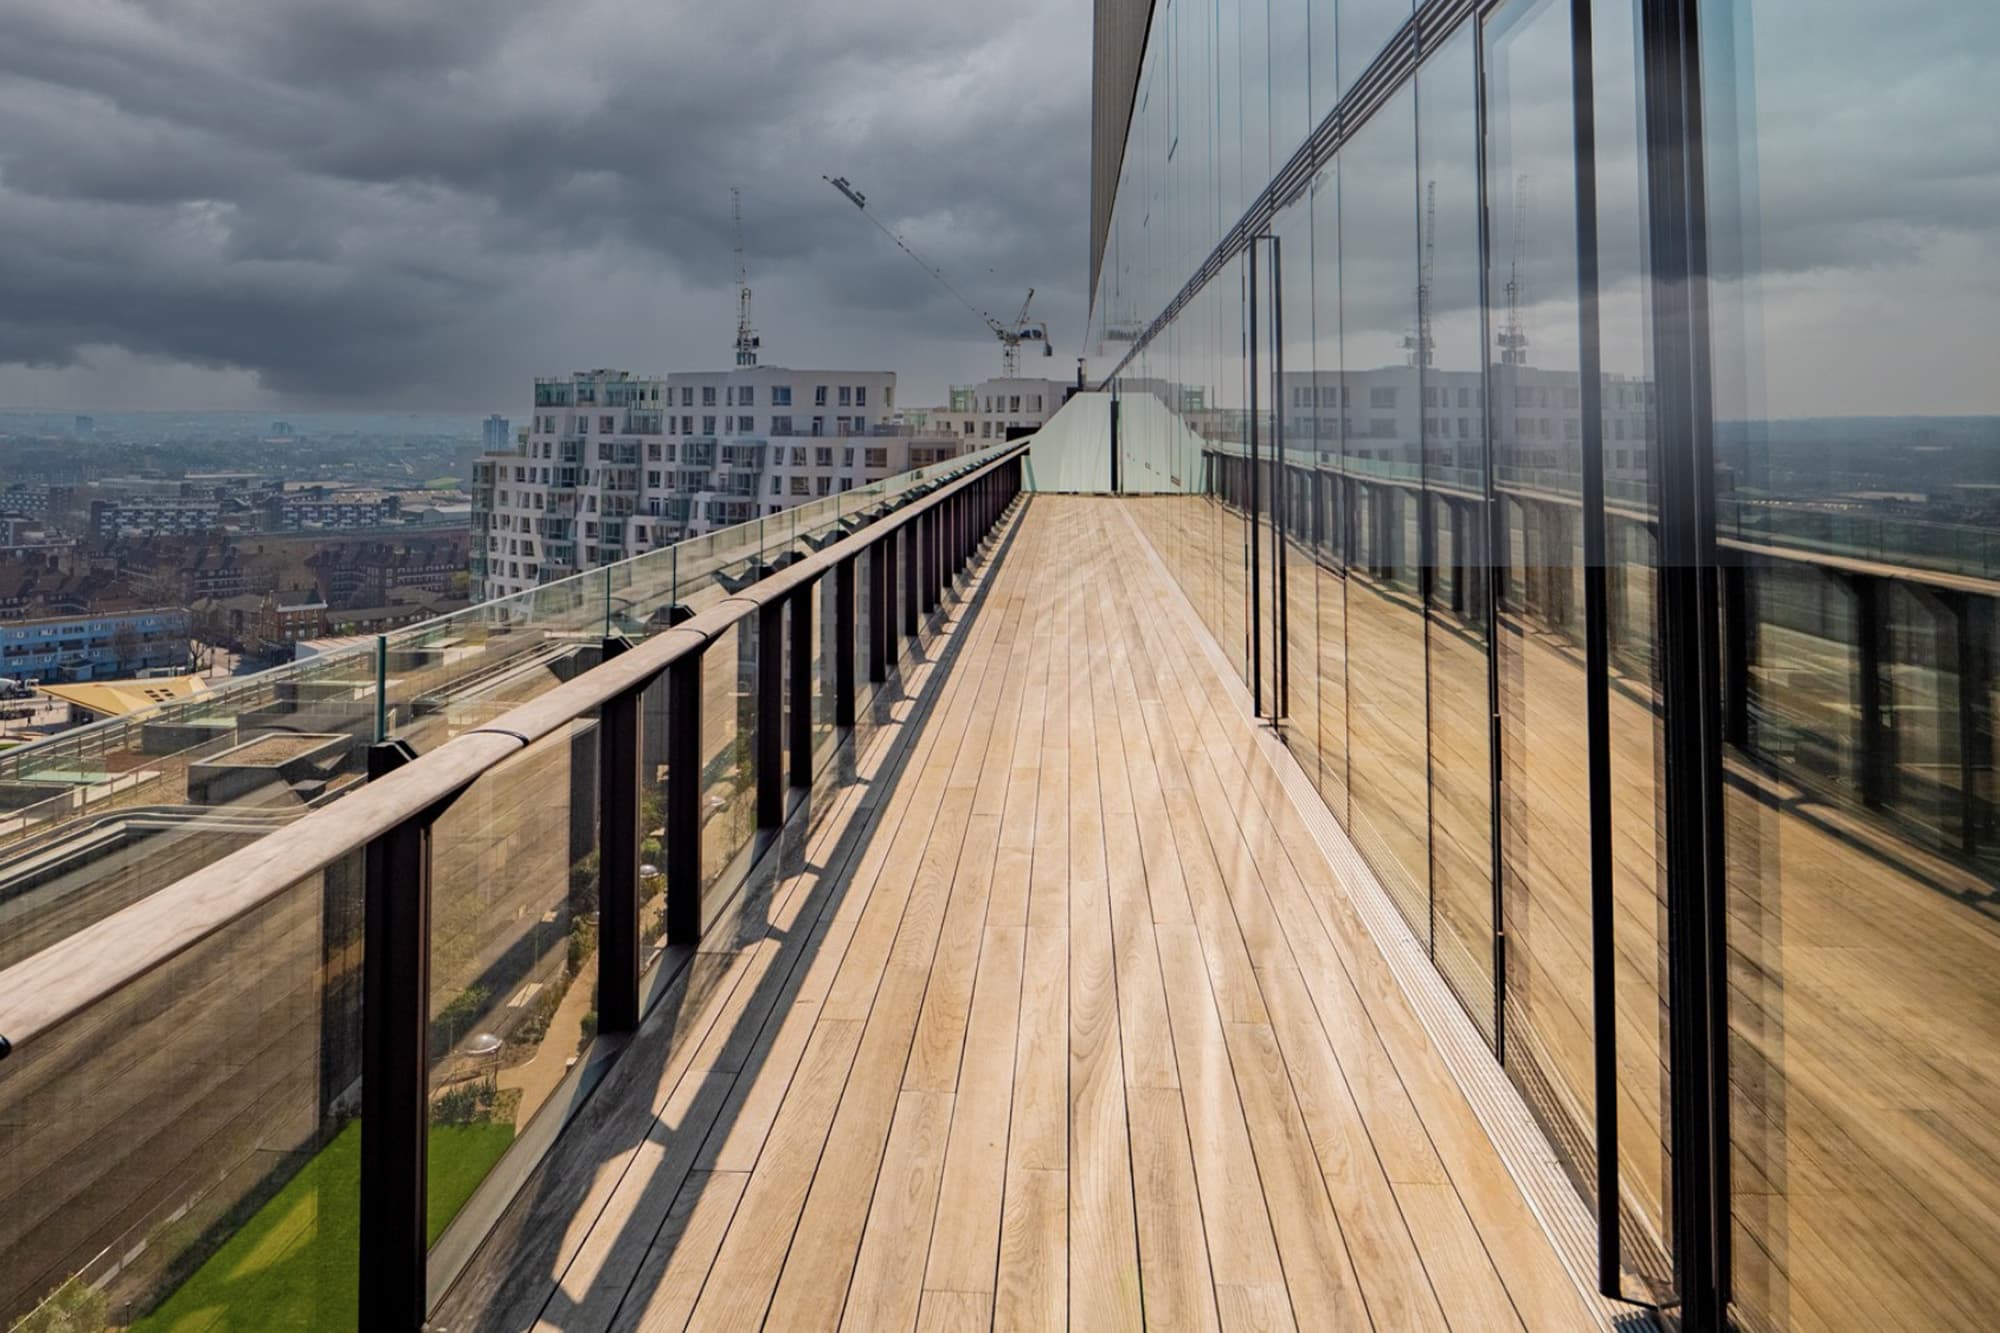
[(1059, 1016)]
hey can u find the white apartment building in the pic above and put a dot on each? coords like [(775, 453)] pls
[(986, 410), (612, 465)]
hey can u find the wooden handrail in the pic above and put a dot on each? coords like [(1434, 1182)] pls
[(41, 992)]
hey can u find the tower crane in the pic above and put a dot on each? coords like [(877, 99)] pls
[(1011, 335), (1513, 338), (1419, 345), (747, 341)]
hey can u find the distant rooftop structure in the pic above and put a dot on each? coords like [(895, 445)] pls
[(116, 698)]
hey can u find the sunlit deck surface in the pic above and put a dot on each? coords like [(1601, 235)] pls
[(1058, 1018)]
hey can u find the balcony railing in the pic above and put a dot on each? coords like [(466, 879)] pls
[(420, 956)]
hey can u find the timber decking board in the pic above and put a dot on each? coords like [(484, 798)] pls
[(1054, 1019)]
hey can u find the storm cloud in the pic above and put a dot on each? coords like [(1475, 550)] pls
[(379, 202)]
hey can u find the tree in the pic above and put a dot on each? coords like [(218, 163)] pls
[(74, 1307), (126, 649)]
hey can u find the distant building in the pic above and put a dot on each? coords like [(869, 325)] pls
[(284, 619), (613, 465), (153, 516), (85, 425), (496, 435), (989, 410), (317, 508), (112, 645)]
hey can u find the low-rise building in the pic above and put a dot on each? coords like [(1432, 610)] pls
[(94, 646), (994, 409)]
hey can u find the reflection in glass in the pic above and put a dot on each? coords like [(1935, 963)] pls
[(1387, 796), (1330, 490), (1533, 398), (514, 901), (1292, 507), (1626, 438), (1856, 443), (185, 1152), (1447, 347)]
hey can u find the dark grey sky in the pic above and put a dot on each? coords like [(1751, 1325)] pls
[(295, 203)]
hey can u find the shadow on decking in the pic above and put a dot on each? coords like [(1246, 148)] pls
[(516, 1277)]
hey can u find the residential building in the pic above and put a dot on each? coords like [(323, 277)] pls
[(995, 409), (153, 516), (496, 434), (107, 646), (315, 507), (613, 465)]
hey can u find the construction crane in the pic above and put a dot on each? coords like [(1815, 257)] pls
[(747, 341), (1513, 338), (1011, 335), (1419, 344)]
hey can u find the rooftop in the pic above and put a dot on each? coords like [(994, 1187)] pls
[(1061, 1015)]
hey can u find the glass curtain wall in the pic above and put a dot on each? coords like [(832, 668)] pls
[(1468, 296), (1857, 477)]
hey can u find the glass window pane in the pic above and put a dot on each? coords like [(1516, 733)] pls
[(187, 1149), (1855, 460), (1451, 357), (514, 898), (1533, 395), (1387, 796), (1330, 491)]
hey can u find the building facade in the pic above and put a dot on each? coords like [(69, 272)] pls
[(107, 646), (613, 465), (1626, 592), (990, 410)]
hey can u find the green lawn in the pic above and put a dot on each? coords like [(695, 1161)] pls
[(292, 1266)]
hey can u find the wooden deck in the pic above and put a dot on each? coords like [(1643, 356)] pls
[(1058, 1019)]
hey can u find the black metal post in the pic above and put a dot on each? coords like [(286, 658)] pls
[(1114, 445), (1254, 613), (619, 780), (684, 800), (843, 642), (881, 607), (800, 654), (770, 750), (395, 1078), (913, 597), (1877, 736), (1690, 667), (933, 567), (1597, 665)]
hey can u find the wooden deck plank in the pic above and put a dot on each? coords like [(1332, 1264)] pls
[(887, 1286), (1103, 1241), (1059, 1020), (965, 1241)]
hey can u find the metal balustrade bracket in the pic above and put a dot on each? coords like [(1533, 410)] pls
[(395, 1078), (799, 658), (385, 757), (620, 784), (844, 617), (913, 581), (770, 740), (683, 806)]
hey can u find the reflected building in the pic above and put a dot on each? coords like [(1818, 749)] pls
[(1609, 531)]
